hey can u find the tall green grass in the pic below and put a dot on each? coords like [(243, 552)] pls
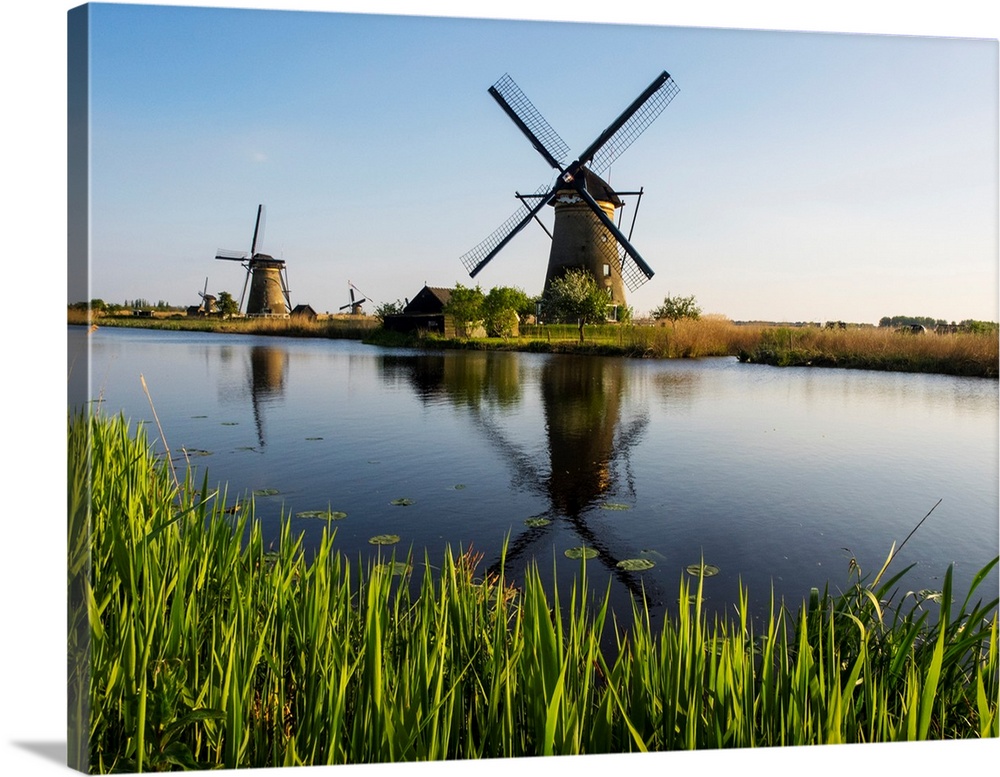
[(208, 648)]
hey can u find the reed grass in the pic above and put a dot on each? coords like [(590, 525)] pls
[(856, 347), (206, 648), (337, 327)]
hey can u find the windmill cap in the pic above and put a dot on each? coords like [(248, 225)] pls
[(599, 189)]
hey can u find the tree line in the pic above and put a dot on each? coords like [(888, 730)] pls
[(574, 297)]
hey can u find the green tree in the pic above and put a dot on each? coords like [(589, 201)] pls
[(389, 309), (675, 308), (576, 296), (502, 309), (226, 304), (465, 305)]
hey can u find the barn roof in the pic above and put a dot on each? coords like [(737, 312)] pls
[(430, 299)]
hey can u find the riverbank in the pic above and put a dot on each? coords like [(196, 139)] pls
[(873, 348), (201, 647)]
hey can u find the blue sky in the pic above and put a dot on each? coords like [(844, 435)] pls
[(796, 176)]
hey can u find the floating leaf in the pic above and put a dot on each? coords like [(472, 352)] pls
[(394, 567), (401, 502), (384, 539), (332, 515), (458, 487), (635, 564), (246, 448), (537, 522), (926, 594), (199, 416), (580, 552), (230, 423), (266, 492), (314, 438), (702, 570), (614, 506)]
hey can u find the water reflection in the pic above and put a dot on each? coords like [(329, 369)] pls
[(586, 440), (265, 380)]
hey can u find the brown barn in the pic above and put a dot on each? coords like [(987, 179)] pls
[(425, 312), (304, 311)]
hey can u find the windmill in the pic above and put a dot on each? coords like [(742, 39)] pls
[(265, 275), (584, 234), (355, 304), (207, 300)]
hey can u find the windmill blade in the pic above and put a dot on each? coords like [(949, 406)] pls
[(630, 124), (476, 259), (233, 256), (258, 231), (530, 121), (633, 276)]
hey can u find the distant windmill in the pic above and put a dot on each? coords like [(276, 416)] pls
[(207, 300), (584, 234), (355, 304), (266, 276)]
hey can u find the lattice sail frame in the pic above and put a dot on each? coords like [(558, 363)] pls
[(523, 112), (472, 258), (634, 127), (616, 257)]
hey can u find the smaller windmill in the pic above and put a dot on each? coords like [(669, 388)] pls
[(355, 304), (207, 306), (266, 276)]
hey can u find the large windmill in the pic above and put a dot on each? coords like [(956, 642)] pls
[(265, 275), (584, 234)]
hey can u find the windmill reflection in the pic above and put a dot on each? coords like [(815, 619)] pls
[(587, 442), (268, 367)]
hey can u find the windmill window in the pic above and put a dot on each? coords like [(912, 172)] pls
[(607, 271)]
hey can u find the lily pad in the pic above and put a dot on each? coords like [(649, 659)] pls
[(635, 564), (458, 487), (230, 423), (314, 438), (266, 492), (927, 595), (401, 502), (333, 515), (199, 416), (196, 452), (580, 552), (537, 522), (394, 568), (384, 539), (702, 570), (614, 506)]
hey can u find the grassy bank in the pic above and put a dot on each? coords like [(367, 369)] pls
[(337, 327), (197, 646), (959, 353), (872, 348)]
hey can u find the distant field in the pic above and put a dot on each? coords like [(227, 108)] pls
[(876, 348)]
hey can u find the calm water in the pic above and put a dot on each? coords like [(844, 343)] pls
[(776, 476)]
